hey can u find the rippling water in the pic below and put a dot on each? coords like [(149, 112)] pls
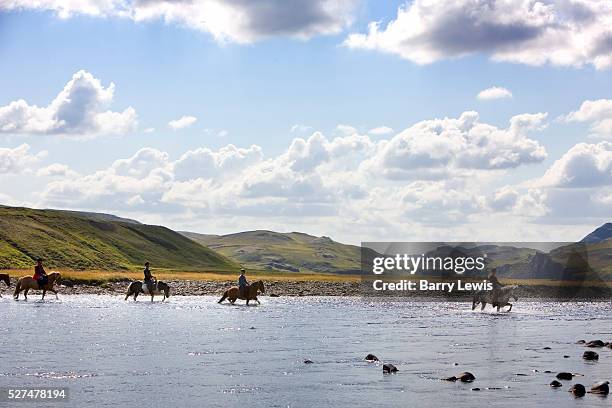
[(190, 351)]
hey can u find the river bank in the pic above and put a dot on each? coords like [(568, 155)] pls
[(294, 288)]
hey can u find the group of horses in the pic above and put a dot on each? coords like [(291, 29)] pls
[(27, 283)]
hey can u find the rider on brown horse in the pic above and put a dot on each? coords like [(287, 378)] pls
[(40, 275), (242, 283)]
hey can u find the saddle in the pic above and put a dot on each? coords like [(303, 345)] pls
[(145, 287)]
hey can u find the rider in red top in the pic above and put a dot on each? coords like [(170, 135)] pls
[(40, 275)]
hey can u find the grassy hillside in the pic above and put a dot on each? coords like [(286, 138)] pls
[(286, 252), (92, 241)]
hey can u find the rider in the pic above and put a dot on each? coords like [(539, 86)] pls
[(242, 283), (40, 275), (496, 285), (148, 278)]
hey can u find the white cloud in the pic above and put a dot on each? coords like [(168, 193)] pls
[(381, 130), (149, 130), (494, 92), (182, 122), (346, 129), (56, 170), (596, 112), (78, 110), (435, 149), (583, 166), (18, 159), (298, 128), (240, 21), (534, 32)]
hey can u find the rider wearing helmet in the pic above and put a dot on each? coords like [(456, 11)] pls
[(148, 278)]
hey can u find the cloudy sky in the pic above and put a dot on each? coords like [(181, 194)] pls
[(360, 120)]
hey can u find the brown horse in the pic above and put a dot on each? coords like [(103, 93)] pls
[(27, 282), (252, 290), (138, 287), (5, 278)]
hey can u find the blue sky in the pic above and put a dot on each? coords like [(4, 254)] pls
[(253, 93)]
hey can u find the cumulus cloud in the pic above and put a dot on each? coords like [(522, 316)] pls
[(182, 122), (56, 170), (583, 166), (433, 149), (78, 110), (380, 130), (18, 159), (241, 21), (494, 92), (534, 32), (596, 112)]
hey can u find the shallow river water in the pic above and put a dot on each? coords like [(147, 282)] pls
[(191, 351)]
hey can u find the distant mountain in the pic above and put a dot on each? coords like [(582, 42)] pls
[(287, 252), (600, 234), (79, 240)]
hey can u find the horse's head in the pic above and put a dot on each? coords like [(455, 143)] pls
[(260, 286), (165, 287), (55, 278)]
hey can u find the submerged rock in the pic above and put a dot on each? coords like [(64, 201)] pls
[(601, 388), (578, 390), (308, 361), (463, 377), (555, 384), (565, 376), (581, 342), (595, 343), (590, 355), (371, 358), (389, 368)]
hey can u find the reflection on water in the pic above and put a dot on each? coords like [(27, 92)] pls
[(191, 351)]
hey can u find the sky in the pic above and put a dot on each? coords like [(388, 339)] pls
[(486, 120)]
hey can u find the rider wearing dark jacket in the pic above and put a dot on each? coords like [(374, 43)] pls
[(496, 285), (148, 278), (242, 283)]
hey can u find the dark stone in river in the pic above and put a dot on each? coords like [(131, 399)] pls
[(590, 355), (371, 357), (274, 295), (595, 343), (578, 390), (601, 388), (546, 348), (565, 376), (389, 368), (555, 384), (308, 361), (463, 377), (475, 389), (581, 342)]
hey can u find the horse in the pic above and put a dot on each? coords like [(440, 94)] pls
[(503, 296), (27, 282), (138, 287), (5, 278), (252, 291)]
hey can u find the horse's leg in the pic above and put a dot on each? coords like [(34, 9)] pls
[(152, 296), (509, 310), (483, 304), (54, 291), (25, 294), (135, 295), (127, 295), (43, 296)]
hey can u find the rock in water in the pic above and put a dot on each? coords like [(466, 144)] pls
[(565, 376), (578, 390), (590, 355), (371, 357), (556, 384), (308, 361), (389, 368), (595, 343), (601, 388), (581, 342), (466, 377)]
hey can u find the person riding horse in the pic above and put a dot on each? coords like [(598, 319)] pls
[(40, 275), (149, 278), (496, 285), (242, 283)]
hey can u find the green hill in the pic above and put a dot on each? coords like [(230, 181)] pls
[(77, 240), (286, 252)]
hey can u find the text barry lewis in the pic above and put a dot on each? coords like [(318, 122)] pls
[(425, 285)]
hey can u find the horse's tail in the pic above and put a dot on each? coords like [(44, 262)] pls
[(223, 297), (17, 288)]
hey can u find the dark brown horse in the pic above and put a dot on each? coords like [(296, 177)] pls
[(5, 278), (252, 291), (27, 282)]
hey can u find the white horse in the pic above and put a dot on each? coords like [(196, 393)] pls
[(504, 294)]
